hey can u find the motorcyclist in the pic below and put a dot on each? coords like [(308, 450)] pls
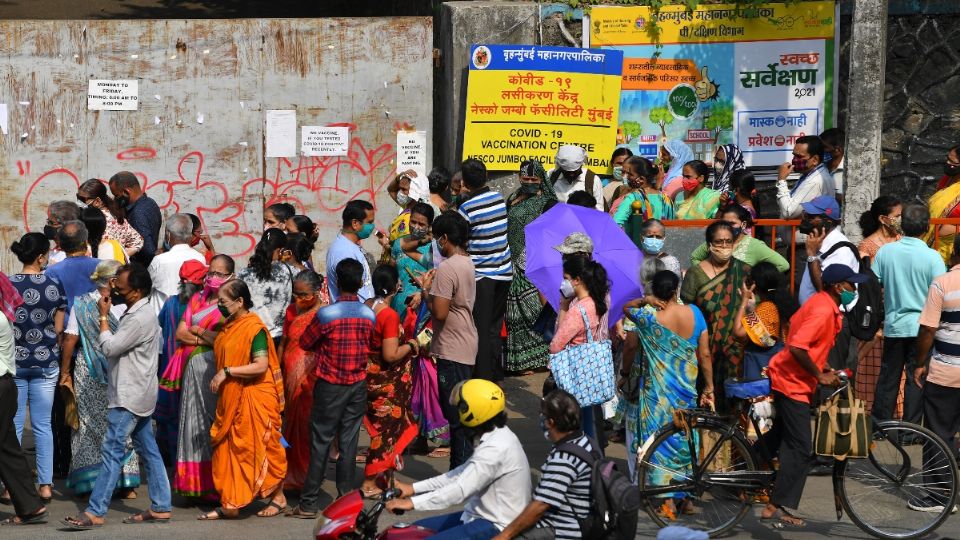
[(494, 484)]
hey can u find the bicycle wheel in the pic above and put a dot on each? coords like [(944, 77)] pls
[(906, 488), (698, 480)]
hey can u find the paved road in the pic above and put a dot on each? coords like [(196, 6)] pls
[(523, 402)]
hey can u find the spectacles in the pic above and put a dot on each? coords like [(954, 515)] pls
[(214, 273), (721, 242)]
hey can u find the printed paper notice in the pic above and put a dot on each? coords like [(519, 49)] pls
[(412, 152), (112, 95), (3, 118), (324, 141), (281, 133)]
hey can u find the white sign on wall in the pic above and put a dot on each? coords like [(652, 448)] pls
[(112, 95), (412, 152), (324, 141)]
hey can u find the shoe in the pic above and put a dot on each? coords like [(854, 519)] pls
[(927, 504)]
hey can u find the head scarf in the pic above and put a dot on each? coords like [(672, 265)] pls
[(570, 157), (10, 298), (734, 163), (533, 167), (680, 155)]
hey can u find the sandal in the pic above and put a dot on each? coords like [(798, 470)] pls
[(300, 513), (273, 504), (146, 516), (784, 518), (440, 452), (34, 519), (218, 513), (83, 523)]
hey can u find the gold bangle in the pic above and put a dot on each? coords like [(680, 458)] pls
[(104, 318)]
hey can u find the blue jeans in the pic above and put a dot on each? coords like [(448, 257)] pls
[(122, 424), (449, 527), (37, 387)]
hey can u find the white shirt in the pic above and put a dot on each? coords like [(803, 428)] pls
[(165, 268), (564, 188), (838, 177), (494, 482), (840, 256), (56, 256), (8, 361), (817, 182)]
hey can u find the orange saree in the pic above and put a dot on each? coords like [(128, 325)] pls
[(248, 459)]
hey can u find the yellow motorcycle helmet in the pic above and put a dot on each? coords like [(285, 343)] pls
[(478, 401)]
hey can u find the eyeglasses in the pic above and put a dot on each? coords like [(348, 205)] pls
[(214, 273), (721, 242)]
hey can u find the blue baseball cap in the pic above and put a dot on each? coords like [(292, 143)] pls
[(823, 205), (838, 273)]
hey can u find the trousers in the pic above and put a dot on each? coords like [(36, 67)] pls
[(449, 375), (489, 309), (792, 436), (14, 469), (898, 353)]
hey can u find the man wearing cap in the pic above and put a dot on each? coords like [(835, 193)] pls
[(570, 175), (794, 374), (906, 268)]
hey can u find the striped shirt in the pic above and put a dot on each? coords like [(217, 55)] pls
[(487, 214), (565, 486), (942, 311)]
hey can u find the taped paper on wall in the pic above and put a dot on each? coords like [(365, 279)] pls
[(324, 141), (112, 95), (412, 152), (281, 133), (3, 118)]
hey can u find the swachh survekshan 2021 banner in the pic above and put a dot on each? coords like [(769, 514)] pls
[(524, 101), (756, 76)]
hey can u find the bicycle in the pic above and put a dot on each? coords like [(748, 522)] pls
[(706, 461)]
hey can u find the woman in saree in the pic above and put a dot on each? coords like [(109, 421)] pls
[(640, 194), (196, 333), (945, 203), (713, 285), (167, 413), (248, 461), (526, 350), (90, 388), (298, 374), (676, 348), (697, 201), (389, 420), (413, 257)]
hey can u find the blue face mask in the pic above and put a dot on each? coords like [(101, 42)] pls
[(366, 231), (618, 174), (652, 246), (827, 157)]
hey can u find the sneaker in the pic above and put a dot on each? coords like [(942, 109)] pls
[(927, 504)]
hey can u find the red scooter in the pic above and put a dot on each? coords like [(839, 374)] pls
[(346, 518)]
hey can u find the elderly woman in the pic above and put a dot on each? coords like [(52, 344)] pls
[(746, 248), (526, 350), (714, 286), (89, 383), (697, 200), (652, 235), (248, 460)]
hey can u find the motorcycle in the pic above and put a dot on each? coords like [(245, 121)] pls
[(346, 519)]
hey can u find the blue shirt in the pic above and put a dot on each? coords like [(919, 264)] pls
[(73, 273), (344, 248), (906, 269), (33, 329), (144, 216), (487, 214)]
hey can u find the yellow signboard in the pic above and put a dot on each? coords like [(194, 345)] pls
[(523, 102), (713, 23)]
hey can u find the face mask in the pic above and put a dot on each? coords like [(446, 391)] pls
[(896, 225), (530, 188), (123, 201), (951, 170), (437, 255), (618, 174), (543, 428), (402, 198), (799, 164), (117, 298), (418, 232), (846, 297), (366, 231), (806, 227), (224, 311), (166, 245), (212, 284), (690, 184), (81, 205), (50, 232), (721, 254), (737, 231), (827, 157), (566, 288), (195, 241), (571, 176), (652, 246)]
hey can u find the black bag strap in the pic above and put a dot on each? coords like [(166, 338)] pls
[(575, 449), (588, 182), (838, 245)]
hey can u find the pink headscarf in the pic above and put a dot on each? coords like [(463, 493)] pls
[(10, 298)]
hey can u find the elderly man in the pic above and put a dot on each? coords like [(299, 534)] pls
[(570, 175), (143, 213), (58, 213), (165, 268), (73, 273)]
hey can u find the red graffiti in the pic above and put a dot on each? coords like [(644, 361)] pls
[(136, 153)]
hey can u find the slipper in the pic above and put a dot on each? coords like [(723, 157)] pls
[(35, 519), (80, 524), (272, 504), (145, 517), (440, 452), (218, 511), (779, 516), (361, 458), (300, 513)]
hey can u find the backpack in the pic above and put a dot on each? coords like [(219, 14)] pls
[(865, 318), (615, 500)]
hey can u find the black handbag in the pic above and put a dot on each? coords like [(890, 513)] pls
[(546, 323)]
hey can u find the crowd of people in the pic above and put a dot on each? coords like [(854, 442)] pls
[(228, 383)]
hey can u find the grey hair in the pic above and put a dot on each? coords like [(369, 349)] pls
[(187, 290), (649, 268), (73, 236), (64, 211), (180, 228), (915, 219), (105, 271), (649, 224), (310, 278)]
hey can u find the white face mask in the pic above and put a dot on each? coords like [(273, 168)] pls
[(402, 198), (566, 288), (437, 254)]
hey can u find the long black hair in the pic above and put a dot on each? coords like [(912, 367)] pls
[(594, 277), (94, 189), (262, 259), (770, 287), (96, 223), (882, 206)]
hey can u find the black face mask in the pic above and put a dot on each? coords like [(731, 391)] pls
[(50, 232), (122, 200), (805, 227), (116, 298), (951, 170)]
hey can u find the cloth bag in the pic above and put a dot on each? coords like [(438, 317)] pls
[(844, 428), (586, 370)]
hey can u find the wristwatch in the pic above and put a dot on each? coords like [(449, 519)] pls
[(813, 258), (226, 371)]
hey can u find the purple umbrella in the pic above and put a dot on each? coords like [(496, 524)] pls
[(611, 247)]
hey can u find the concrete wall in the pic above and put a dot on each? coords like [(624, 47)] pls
[(373, 74)]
